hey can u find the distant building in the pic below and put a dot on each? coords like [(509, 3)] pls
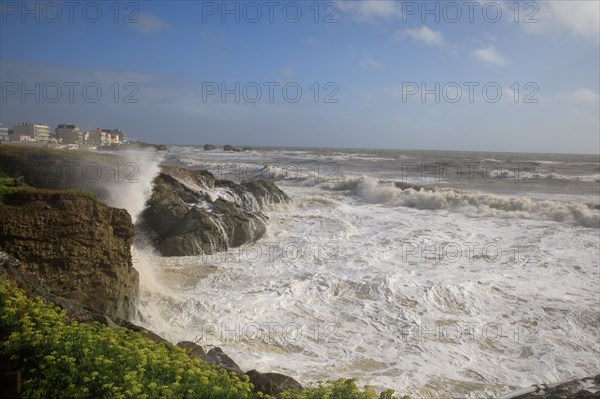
[(3, 133), (121, 134), (20, 137), (105, 137), (95, 137), (36, 132), (68, 134)]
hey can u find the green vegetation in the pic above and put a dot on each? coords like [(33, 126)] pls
[(61, 358), (8, 187), (50, 168), (66, 359)]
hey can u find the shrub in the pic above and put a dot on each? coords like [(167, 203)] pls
[(61, 358), (66, 359)]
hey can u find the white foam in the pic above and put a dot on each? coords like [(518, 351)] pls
[(351, 276), (474, 204), (132, 186)]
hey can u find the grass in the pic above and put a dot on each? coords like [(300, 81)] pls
[(50, 168), (7, 188), (61, 358)]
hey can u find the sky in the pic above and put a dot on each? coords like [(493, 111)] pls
[(438, 75)]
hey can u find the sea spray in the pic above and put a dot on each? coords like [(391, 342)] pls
[(129, 185), (132, 181)]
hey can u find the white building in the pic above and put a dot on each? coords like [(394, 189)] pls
[(3, 133), (37, 132), (104, 137), (68, 133)]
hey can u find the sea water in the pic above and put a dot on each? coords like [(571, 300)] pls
[(437, 274)]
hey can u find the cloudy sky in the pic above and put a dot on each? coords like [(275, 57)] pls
[(466, 75)]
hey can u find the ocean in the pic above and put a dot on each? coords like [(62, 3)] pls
[(437, 274)]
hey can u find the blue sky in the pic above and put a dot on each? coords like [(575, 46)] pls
[(159, 69)]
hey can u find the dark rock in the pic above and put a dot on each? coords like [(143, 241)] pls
[(220, 358), (184, 216), (209, 147), (266, 192), (585, 388), (230, 148), (247, 148), (72, 247), (272, 383), (152, 336), (193, 349)]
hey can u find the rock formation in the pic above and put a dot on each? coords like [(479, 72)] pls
[(192, 213), (230, 148), (267, 383), (209, 147), (72, 247)]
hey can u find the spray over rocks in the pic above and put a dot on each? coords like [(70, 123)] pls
[(193, 213)]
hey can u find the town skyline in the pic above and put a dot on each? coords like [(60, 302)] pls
[(64, 133), (473, 76)]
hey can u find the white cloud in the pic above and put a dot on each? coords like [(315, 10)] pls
[(583, 95), (490, 55), (368, 62), (579, 18), (370, 10), (422, 35), (149, 23)]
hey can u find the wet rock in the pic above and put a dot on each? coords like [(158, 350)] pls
[(209, 147), (266, 192), (220, 358), (214, 356), (585, 388), (272, 383), (193, 349), (192, 213)]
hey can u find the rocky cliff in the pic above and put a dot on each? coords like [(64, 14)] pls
[(71, 246), (193, 213)]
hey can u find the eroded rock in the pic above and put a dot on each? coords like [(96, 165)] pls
[(191, 213), (73, 247)]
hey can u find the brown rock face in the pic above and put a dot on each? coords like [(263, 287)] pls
[(73, 247)]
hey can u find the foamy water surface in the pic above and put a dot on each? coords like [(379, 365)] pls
[(463, 290)]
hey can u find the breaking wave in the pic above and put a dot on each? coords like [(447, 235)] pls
[(472, 204)]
